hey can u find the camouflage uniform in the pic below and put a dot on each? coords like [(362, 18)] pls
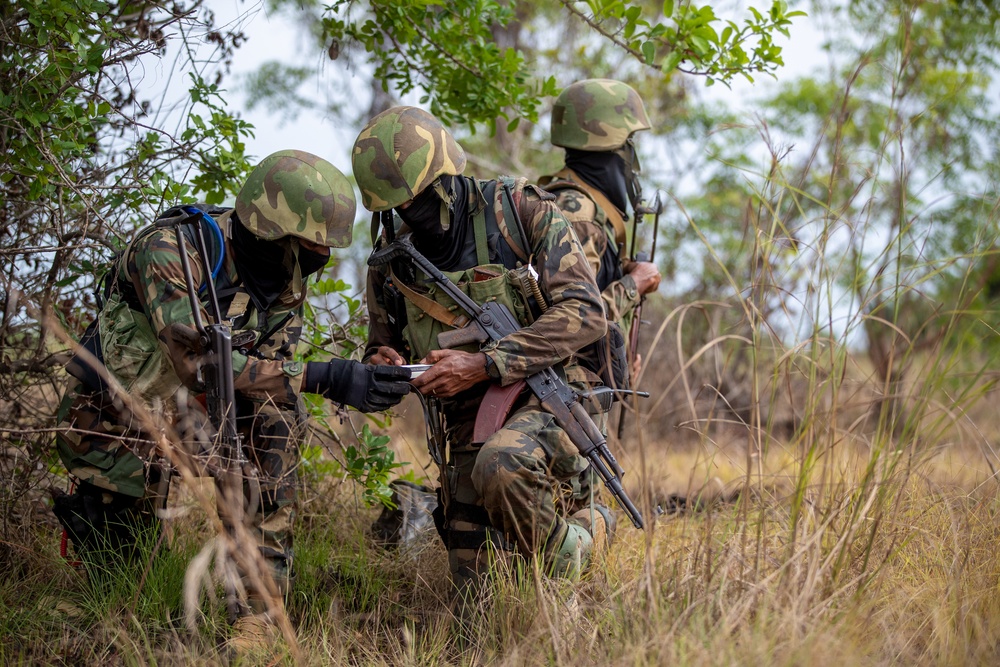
[(290, 194), (597, 115), (506, 489)]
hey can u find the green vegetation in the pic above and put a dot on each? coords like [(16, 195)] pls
[(822, 427)]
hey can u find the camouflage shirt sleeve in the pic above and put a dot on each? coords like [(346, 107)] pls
[(156, 272), (621, 296), (575, 317)]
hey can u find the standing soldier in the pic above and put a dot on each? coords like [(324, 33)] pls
[(293, 208), (489, 237), (595, 120)]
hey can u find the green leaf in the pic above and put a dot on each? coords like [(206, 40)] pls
[(668, 8), (649, 52)]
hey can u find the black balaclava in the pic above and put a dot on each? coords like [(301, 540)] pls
[(267, 267), (441, 228), (612, 172), (311, 261)]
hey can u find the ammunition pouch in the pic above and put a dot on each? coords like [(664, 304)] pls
[(425, 319)]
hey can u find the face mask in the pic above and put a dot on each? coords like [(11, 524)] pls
[(440, 222), (424, 213), (261, 265), (310, 261)]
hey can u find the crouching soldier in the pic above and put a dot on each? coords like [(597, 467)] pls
[(293, 208), (501, 241)]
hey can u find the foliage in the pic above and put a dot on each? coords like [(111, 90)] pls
[(371, 462), (448, 48), (470, 66), (87, 157), (689, 39)]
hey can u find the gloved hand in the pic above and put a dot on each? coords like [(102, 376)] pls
[(367, 387)]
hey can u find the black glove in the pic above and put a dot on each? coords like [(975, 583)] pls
[(367, 387)]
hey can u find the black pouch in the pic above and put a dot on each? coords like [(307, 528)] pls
[(412, 518), (83, 369), (395, 305), (607, 358)]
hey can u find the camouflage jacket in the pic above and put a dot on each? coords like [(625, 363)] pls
[(153, 267), (600, 241), (575, 316)]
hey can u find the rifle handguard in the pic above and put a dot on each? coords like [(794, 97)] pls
[(471, 333)]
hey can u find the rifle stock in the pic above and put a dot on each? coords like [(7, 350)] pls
[(495, 321)]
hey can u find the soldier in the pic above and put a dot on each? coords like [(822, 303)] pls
[(486, 235), (595, 120), (293, 208)]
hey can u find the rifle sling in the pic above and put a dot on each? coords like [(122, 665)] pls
[(430, 306)]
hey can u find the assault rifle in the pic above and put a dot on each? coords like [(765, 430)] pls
[(214, 342), (656, 208), (493, 321)]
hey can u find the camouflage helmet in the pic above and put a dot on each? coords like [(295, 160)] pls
[(399, 154), (597, 115), (294, 193)]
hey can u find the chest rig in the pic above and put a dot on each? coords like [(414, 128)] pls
[(497, 267)]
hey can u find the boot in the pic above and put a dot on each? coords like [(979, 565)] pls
[(254, 635)]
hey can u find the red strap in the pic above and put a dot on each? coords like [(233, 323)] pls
[(494, 409)]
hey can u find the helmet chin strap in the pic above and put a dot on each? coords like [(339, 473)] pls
[(447, 199), (632, 169)]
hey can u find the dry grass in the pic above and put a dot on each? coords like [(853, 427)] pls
[(900, 568)]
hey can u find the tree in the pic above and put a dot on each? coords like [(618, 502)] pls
[(88, 157), (877, 199)]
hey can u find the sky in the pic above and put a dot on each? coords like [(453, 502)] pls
[(273, 36)]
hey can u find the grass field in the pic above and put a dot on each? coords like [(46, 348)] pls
[(846, 554)]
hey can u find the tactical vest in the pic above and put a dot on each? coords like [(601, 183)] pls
[(494, 273)]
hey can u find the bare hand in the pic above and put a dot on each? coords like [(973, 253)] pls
[(645, 275), (386, 356), (636, 367), (453, 371)]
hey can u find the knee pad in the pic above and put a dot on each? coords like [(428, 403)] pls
[(572, 556)]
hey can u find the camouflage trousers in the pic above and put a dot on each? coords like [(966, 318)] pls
[(107, 449), (512, 492)]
